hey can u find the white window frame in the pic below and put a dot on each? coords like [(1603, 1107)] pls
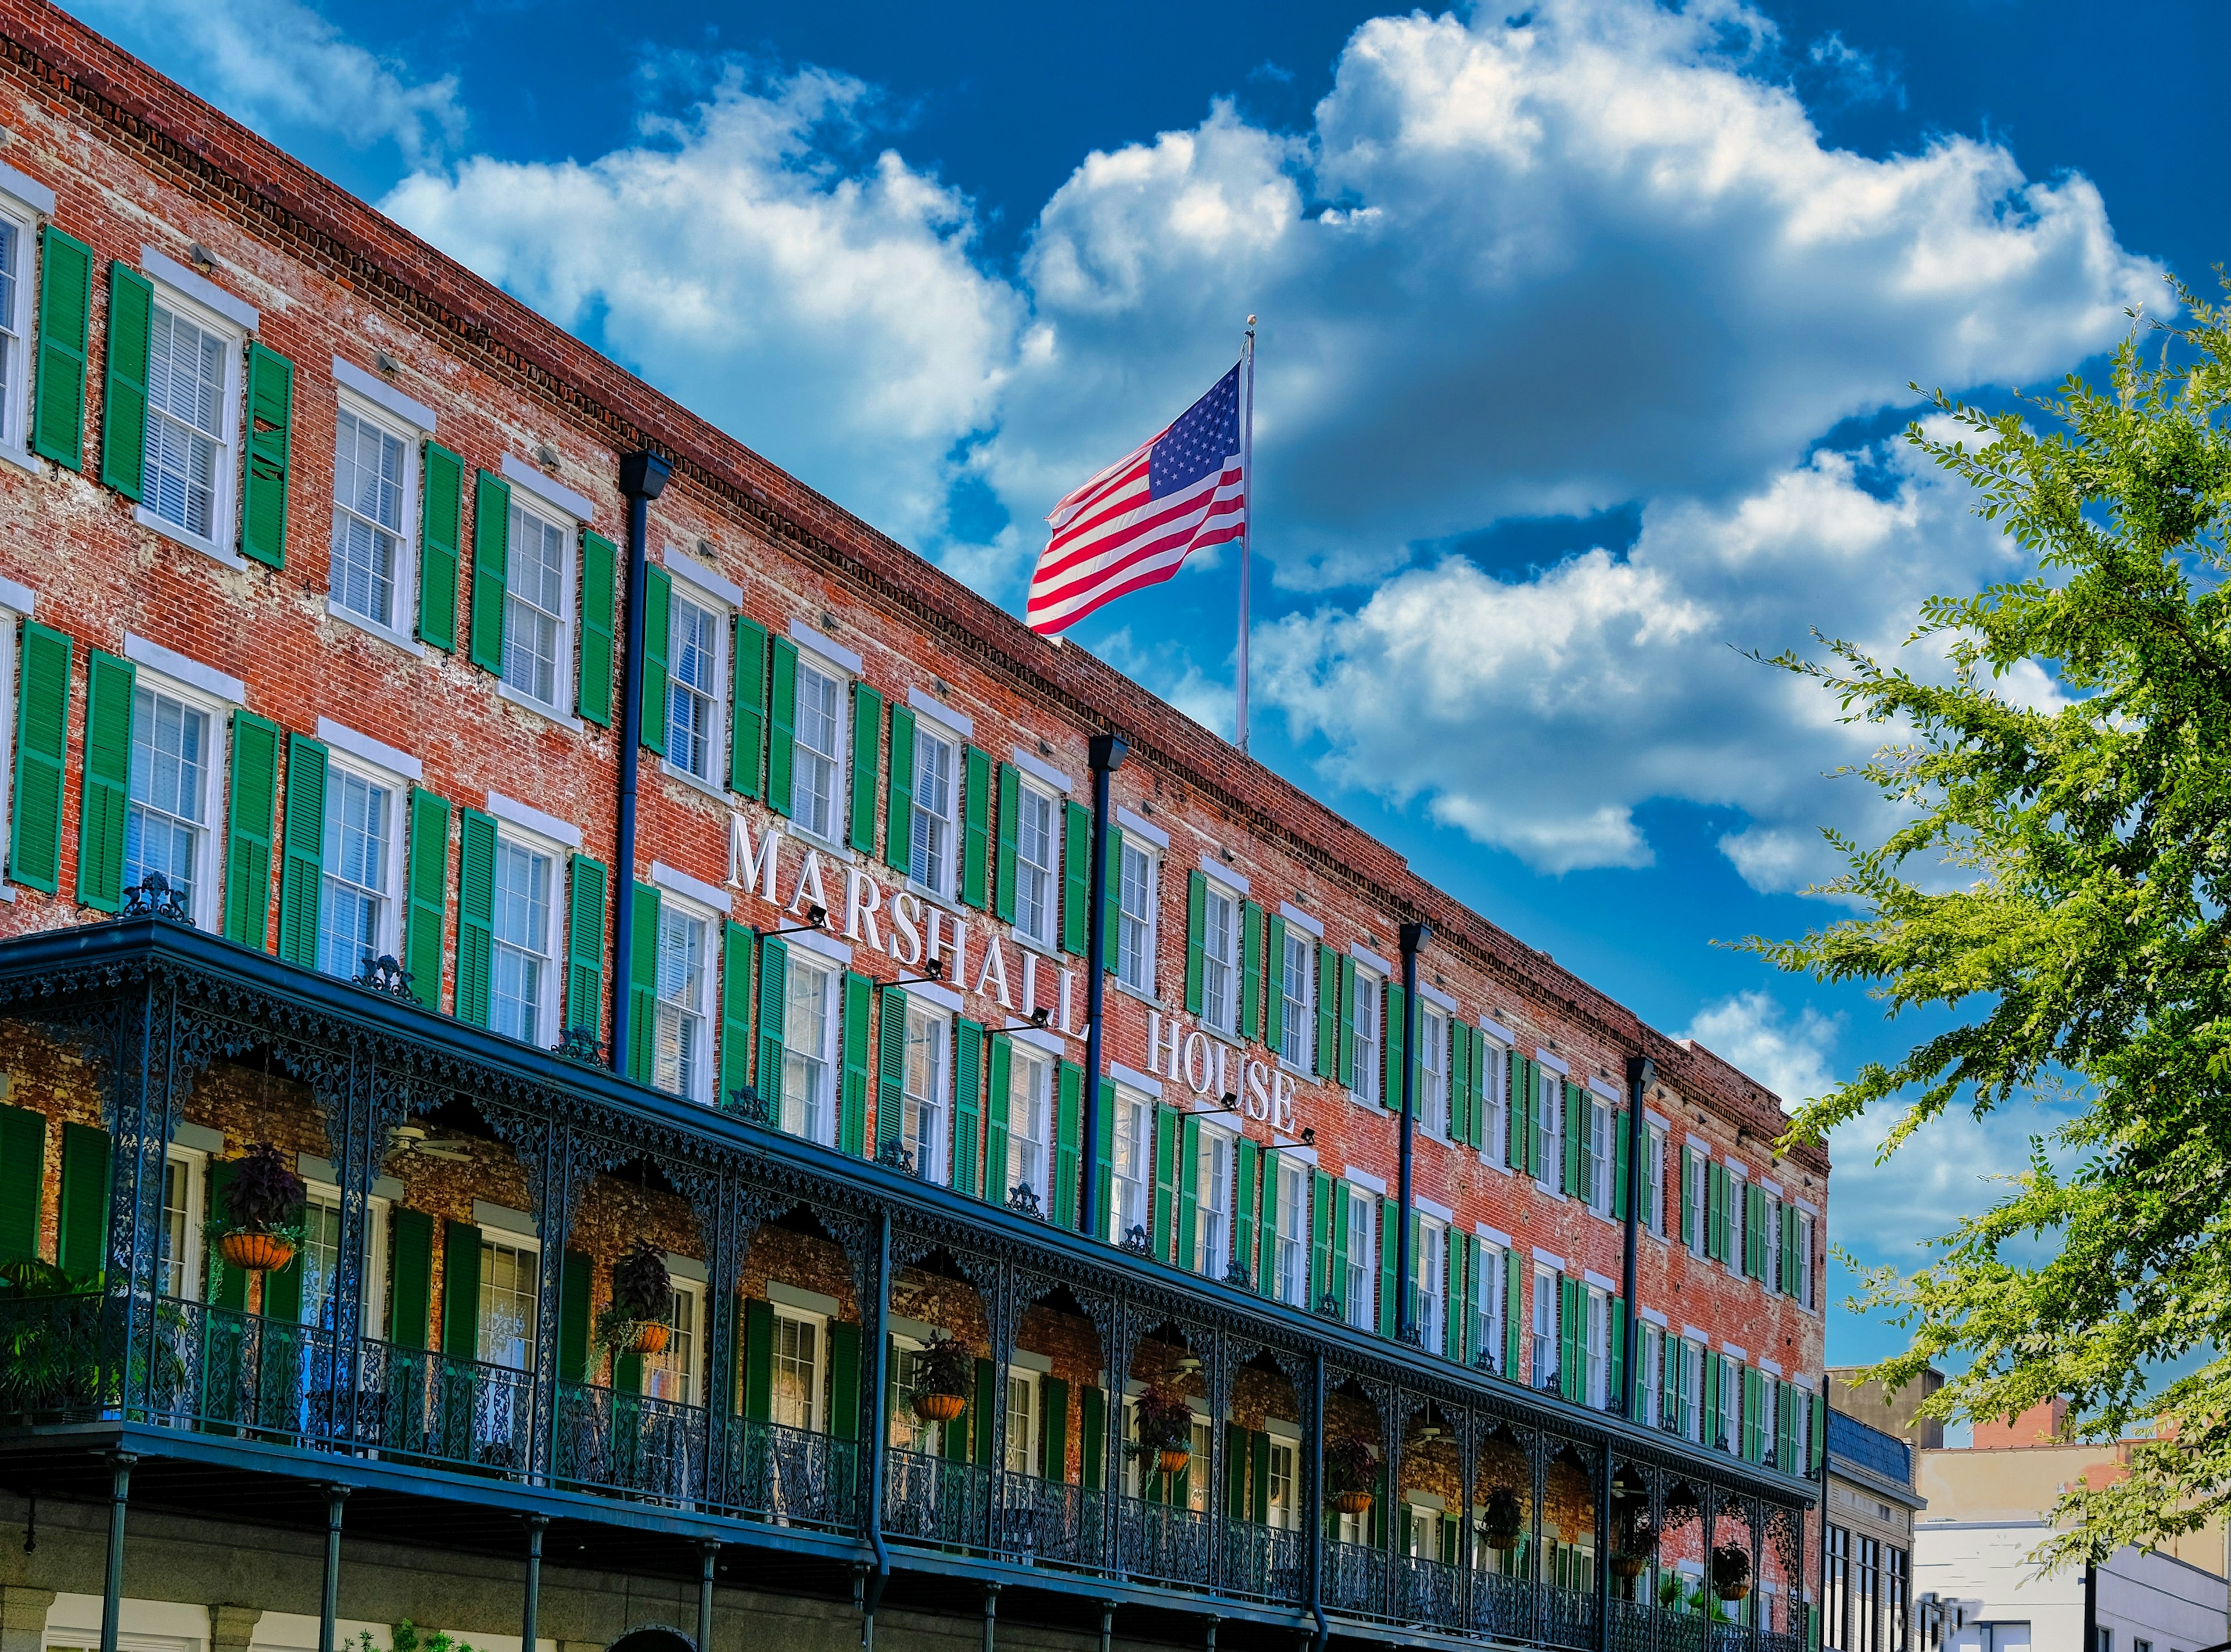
[(16, 405), (926, 734), (1128, 1196), (1298, 1015), (1549, 1127), (821, 665), (397, 896), (929, 1025), (1282, 1515), (1542, 1327), (1360, 1287), (224, 503), (527, 1244), (549, 990), (1430, 1265), (374, 1279), (1433, 1024), (1807, 1227), (192, 1267), (1214, 1172), (816, 1402), (909, 1432), (536, 507), (1023, 1454), (1595, 1349), (693, 1375), (1150, 921), (708, 1016), (1290, 1256), (1490, 1280), (1601, 1152), (1029, 790), (207, 904), (1653, 1147), (1204, 1444), (1030, 1151), (822, 1131), (398, 630), (1494, 1128), (1371, 999), (1227, 1024), (716, 723)]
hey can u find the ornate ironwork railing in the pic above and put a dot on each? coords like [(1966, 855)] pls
[(640, 1447), (789, 1476), (1356, 1579), (1502, 1606), (1261, 1562), (59, 1357), (1162, 1543), (1049, 1522), (936, 1500), (1680, 1631), (219, 1370), (1428, 1592), (435, 1408), (1630, 1626), (1568, 1617)]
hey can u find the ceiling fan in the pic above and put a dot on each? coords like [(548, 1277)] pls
[(415, 1138)]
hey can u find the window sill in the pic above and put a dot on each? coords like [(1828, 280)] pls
[(948, 904), (673, 770), (844, 854), (20, 457), (393, 638), (1299, 1072), (527, 702), (1045, 949), (1153, 1001), (154, 523), (1499, 1168), (1367, 1105)]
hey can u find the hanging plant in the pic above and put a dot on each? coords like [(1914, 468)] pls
[(260, 1227), (1164, 1420), (1730, 1571), (944, 1371), (639, 1318), (1503, 1520), (1351, 1462)]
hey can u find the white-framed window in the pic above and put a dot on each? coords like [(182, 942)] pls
[(1550, 1126), (816, 773), (1424, 1531), (1037, 863), (1489, 1284), (191, 460), (936, 827), (1728, 1425), (538, 622), (1282, 1504), (357, 911), (375, 503), (172, 823), (1595, 1374), (1650, 1349), (1494, 1126), (677, 1372), (1220, 958), (1653, 1209), (1024, 1395), (1370, 1008), (1299, 1000), (1131, 1169), (808, 1048), (17, 237), (925, 1112), (1596, 1153), (179, 1255), (682, 1046), (510, 1290), (1692, 1387), (797, 1376), (696, 652), (1029, 1111), (321, 1254), (1694, 1167), (1429, 1282), (1134, 916), (1204, 1438), (1290, 1262), (1213, 1173), (909, 1432), (1542, 1364), (1774, 1246), (1736, 1202), (1804, 1290), (1432, 1084), (1363, 1254), (524, 1004)]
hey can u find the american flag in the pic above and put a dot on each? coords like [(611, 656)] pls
[(1135, 522)]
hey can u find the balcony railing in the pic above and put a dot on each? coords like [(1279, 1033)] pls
[(1429, 1592), (1049, 1522), (936, 1501), (1262, 1563), (1162, 1543), (654, 1449), (1356, 1579), (787, 1476)]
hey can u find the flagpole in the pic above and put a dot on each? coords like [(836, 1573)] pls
[(1247, 519)]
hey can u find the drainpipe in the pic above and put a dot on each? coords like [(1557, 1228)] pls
[(1106, 754), (1641, 1074), (642, 478), (871, 1590), (1313, 1539), (2090, 1606), (329, 1595), (1413, 937)]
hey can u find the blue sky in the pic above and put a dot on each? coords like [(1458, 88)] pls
[(1587, 330)]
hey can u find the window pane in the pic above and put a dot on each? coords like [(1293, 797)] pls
[(169, 782), (353, 896), (677, 1055), (809, 1010), (185, 389), (820, 728), (536, 610), (522, 939), (692, 670)]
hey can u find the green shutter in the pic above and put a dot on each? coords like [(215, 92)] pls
[(1514, 1316), (1710, 1430), (1235, 1471), (968, 1108), (1266, 1243), (428, 876), (1616, 1356), (1111, 901), (1053, 1437), (1342, 1212), (1011, 790), (867, 745), (475, 917), (1076, 878), (736, 1010), (898, 794), (1575, 1139), (1393, 1045), (1623, 1169), (758, 1359), (1455, 1320), (1245, 1236), (642, 985), (1819, 1406), (1250, 971), (302, 871), (1163, 1219), (593, 682), (774, 983), (1328, 1051), (105, 781), (42, 695), (1523, 1149), (976, 829), (890, 1069), (1067, 1123), (1196, 969), (1347, 1022), (1688, 1195), (748, 707), (228, 1287), (1320, 1199), (270, 444), (1570, 1331), (461, 1290), (844, 1380), (1188, 1190), (441, 534), (852, 1109), (410, 1268), (782, 723), (1103, 1186), (987, 1396), (1092, 1446), (23, 1182), (82, 1223), (995, 1120), (1390, 1287), (491, 566), (1458, 1061), (1258, 1463), (248, 817), (1476, 1120), (124, 404), (573, 1310), (65, 309), (585, 947), (657, 638)]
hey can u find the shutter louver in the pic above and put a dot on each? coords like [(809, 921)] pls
[(573, 1314), (657, 640), (1076, 878), (976, 829), (593, 683), (748, 707), (475, 917), (1003, 880), (898, 794), (428, 876), (65, 312), (1250, 1019), (1067, 1160), (968, 1108), (124, 401), (642, 985), (890, 1071), (104, 796), (1189, 1191), (1390, 1285), (585, 947), (1347, 1022), (461, 1290), (23, 1182), (1266, 1249), (774, 983), (1196, 969), (1328, 1051), (782, 724), (251, 810), (1393, 1041), (867, 745), (441, 539), (270, 442), (995, 1120), (81, 1221), (42, 695), (1321, 1203), (1164, 1215), (410, 1267), (491, 569), (735, 1010), (1245, 1233), (852, 1109), (302, 872)]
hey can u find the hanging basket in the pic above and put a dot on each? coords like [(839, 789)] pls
[(1732, 1592), (256, 1253), (939, 1408), (649, 1338), (1352, 1502), (1627, 1565), (1172, 1459)]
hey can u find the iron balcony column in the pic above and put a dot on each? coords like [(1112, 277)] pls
[(1313, 1545), (1603, 1549), (329, 1597), (1413, 937), (1106, 755), (531, 1608), (879, 1425), (708, 1550), (112, 1599), (642, 478)]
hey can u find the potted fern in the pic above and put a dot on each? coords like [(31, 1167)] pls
[(943, 1371), (1501, 1522), (1730, 1571), (638, 1319), (262, 1226), (1351, 1461), (1165, 1424)]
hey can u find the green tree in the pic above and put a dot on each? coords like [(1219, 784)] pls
[(2062, 892)]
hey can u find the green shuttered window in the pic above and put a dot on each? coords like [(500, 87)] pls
[(302, 874), (65, 314), (43, 696), (441, 534), (124, 401), (270, 446), (248, 831), (106, 781)]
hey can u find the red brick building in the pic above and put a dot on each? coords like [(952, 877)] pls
[(319, 681)]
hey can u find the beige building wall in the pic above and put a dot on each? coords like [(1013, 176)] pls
[(2022, 1483), (1898, 1413)]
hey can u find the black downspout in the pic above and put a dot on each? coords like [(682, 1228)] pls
[(2091, 1603), (1314, 1544), (879, 1432), (1413, 937), (1641, 1074), (1106, 754), (642, 477)]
